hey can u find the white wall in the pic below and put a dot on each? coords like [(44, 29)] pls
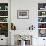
[(23, 24), (3, 1), (32, 6)]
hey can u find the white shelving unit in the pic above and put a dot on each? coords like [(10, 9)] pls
[(4, 22), (42, 18), (4, 19)]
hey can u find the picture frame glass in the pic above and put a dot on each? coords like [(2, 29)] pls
[(22, 14)]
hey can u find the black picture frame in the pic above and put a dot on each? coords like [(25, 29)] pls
[(22, 14)]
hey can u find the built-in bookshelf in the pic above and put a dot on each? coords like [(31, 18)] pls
[(42, 19), (4, 19)]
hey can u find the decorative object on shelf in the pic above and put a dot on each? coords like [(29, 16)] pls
[(42, 32), (6, 7), (31, 27), (41, 13), (41, 6), (3, 13), (3, 19), (0, 7), (4, 26), (45, 7), (41, 19), (13, 27), (23, 14), (4, 29), (42, 25)]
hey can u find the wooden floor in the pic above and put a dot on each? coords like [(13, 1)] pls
[(3, 45)]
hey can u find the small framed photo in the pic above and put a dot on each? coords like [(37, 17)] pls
[(22, 14)]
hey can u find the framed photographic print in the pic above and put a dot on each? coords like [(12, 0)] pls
[(23, 14)]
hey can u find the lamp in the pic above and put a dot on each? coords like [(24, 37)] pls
[(13, 27)]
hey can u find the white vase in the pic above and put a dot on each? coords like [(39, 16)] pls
[(22, 43)]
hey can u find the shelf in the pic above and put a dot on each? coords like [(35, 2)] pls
[(42, 19), (3, 22), (42, 16), (3, 10), (41, 10), (3, 16), (41, 22), (41, 28)]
